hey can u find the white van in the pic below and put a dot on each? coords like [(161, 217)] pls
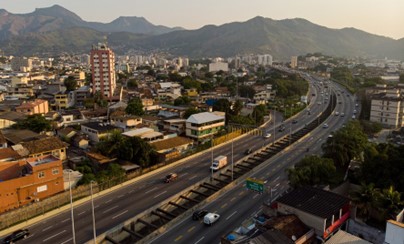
[(210, 218)]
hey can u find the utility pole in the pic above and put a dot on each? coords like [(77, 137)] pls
[(71, 209)]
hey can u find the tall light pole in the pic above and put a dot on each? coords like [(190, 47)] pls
[(232, 160), (92, 211), (71, 209), (211, 151)]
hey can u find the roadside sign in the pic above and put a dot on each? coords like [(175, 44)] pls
[(255, 185)]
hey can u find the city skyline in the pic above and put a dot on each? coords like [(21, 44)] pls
[(371, 16)]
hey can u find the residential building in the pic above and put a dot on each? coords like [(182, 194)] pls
[(324, 211), (103, 70), (7, 119), (63, 100), (96, 130), (204, 125), (265, 59), (395, 230), (147, 134), (21, 90), (81, 94), (21, 64), (125, 121), (293, 62), (29, 180), (172, 147), (175, 125), (388, 108), (217, 66), (169, 89), (169, 111), (46, 146), (3, 141), (38, 106)]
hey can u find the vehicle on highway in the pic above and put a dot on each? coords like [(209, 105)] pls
[(210, 218), (198, 214), (342, 114), (356, 105), (294, 121), (267, 135), (219, 162), (336, 113), (248, 151), (170, 177), (282, 128), (325, 126), (319, 103), (355, 111), (16, 236)]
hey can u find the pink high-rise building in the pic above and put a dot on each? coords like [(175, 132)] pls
[(103, 70)]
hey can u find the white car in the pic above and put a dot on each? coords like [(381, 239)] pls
[(210, 218), (268, 135), (336, 113), (342, 114), (325, 126)]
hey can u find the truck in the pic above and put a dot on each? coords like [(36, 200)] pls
[(210, 218), (219, 162)]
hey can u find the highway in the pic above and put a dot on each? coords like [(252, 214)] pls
[(239, 204), (130, 200)]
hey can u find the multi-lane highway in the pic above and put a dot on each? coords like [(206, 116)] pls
[(130, 200), (239, 203)]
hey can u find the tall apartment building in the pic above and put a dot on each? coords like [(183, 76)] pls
[(293, 62), (21, 64), (103, 70), (265, 59), (387, 108)]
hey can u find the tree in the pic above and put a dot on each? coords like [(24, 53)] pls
[(131, 83), (189, 112), (36, 123), (70, 83), (258, 113), (312, 170), (345, 144), (390, 203), (401, 78), (237, 107), (135, 107), (365, 199), (246, 91), (183, 100)]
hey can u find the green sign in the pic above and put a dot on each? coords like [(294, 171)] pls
[(255, 185)]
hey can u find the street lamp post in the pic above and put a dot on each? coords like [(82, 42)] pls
[(211, 163), (71, 209), (92, 211), (232, 160)]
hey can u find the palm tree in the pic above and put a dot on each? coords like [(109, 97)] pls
[(390, 202), (365, 199)]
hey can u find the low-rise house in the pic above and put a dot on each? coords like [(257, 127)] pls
[(15, 137), (96, 130), (7, 119), (175, 125), (125, 121), (66, 133), (324, 211), (169, 111), (46, 146), (80, 140), (3, 141), (8, 154), (28, 180), (37, 106), (204, 125), (147, 134)]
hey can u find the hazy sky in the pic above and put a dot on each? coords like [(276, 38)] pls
[(375, 16)]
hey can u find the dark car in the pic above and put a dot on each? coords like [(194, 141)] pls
[(16, 236), (170, 177), (248, 151), (294, 121), (282, 128), (199, 214)]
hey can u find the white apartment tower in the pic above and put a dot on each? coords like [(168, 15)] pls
[(293, 62), (265, 59), (103, 70)]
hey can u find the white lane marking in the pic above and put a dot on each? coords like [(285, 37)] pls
[(108, 201), (47, 228), (116, 216), (97, 206), (121, 196), (110, 209), (155, 188), (81, 213), (47, 239), (277, 178), (184, 174), (131, 191), (67, 241), (193, 177), (159, 194), (199, 240), (256, 195), (231, 215), (65, 220)]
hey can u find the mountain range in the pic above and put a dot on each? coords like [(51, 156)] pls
[(56, 29)]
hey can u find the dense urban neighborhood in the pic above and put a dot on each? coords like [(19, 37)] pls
[(98, 147)]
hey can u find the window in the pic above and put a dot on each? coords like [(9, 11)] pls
[(41, 174), (55, 171)]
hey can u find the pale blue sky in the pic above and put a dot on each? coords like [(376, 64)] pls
[(375, 16)]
